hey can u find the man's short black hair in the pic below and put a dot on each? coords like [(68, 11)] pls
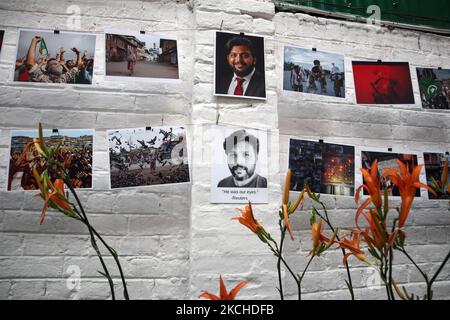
[(238, 136), (239, 41)]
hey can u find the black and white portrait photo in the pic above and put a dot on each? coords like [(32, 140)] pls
[(239, 66), (239, 166)]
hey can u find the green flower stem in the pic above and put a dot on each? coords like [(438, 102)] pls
[(430, 284), (276, 251), (303, 274), (116, 259), (391, 259), (280, 252), (327, 220), (91, 233)]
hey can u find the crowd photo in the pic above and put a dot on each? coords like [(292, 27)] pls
[(75, 154), (315, 72), (148, 156), (55, 57)]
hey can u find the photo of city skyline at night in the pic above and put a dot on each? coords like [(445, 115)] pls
[(434, 164), (388, 160), (327, 168)]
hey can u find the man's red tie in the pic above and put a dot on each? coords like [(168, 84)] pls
[(239, 91)]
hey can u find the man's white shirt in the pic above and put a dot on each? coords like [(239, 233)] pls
[(234, 82)]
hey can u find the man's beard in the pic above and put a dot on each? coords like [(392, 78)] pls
[(244, 72), (241, 178)]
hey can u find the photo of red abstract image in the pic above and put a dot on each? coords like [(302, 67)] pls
[(383, 83)]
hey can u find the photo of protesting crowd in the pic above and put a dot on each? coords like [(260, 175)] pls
[(75, 153), (148, 156), (312, 71), (55, 57)]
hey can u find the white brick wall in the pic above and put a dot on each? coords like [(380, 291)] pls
[(172, 242)]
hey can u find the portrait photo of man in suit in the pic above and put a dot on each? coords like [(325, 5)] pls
[(239, 66)]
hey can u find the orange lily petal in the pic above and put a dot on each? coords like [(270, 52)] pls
[(223, 289), (287, 185), (236, 289), (208, 295)]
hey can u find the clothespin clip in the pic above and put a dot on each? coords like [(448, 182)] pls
[(447, 153), (320, 140), (142, 32), (221, 24), (55, 131), (148, 128), (314, 49), (56, 31), (242, 34), (380, 61), (389, 149), (439, 68)]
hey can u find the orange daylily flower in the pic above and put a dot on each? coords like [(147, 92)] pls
[(375, 234), (247, 219), (55, 196), (284, 207), (407, 183), (319, 240), (372, 186), (224, 295), (353, 246)]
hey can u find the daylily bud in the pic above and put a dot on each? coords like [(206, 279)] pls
[(287, 185), (300, 198)]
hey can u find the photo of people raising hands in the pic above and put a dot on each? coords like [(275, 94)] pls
[(51, 57)]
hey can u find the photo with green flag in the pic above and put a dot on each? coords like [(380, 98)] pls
[(55, 57), (43, 48), (434, 87)]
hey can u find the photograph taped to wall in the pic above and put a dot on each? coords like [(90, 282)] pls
[(313, 72), (434, 166), (383, 82), (2, 33), (434, 87), (388, 160), (76, 152), (239, 167), (140, 55), (148, 156), (239, 66), (49, 57), (327, 168)]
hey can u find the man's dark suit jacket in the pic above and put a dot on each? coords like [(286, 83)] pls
[(256, 87)]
